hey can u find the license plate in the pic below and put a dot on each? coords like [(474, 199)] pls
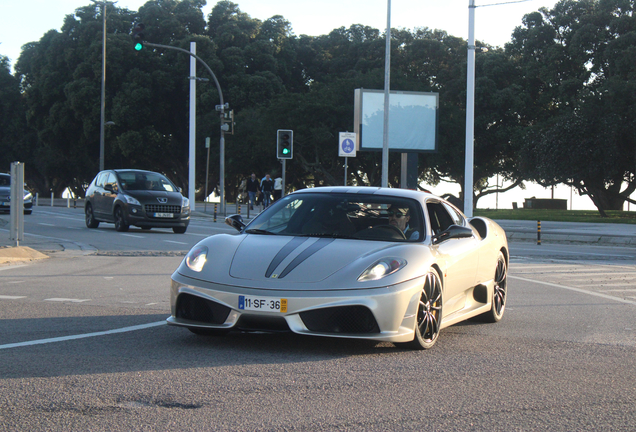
[(262, 304), (164, 215)]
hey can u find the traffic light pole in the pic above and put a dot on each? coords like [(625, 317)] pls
[(221, 108)]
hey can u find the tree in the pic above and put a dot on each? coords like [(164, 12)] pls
[(577, 63)]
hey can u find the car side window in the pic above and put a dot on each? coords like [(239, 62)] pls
[(100, 180), (111, 180), (439, 217), (458, 219)]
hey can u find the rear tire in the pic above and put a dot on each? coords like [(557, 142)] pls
[(500, 292)]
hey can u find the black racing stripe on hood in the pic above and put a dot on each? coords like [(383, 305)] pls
[(321, 243), (283, 253)]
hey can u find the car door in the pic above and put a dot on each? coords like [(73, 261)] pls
[(97, 198), (109, 194), (458, 258)]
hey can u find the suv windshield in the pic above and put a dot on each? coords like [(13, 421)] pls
[(342, 215), (135, 181)]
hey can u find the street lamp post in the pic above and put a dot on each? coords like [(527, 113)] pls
[(470, 113), (220, 108), (103, 100)]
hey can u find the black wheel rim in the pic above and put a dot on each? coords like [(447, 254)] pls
[(430, 310), (89, 215), (501, 286)]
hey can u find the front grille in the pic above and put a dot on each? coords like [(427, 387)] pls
[(262, 323), (198, 309), (342, 319), (162, 208)]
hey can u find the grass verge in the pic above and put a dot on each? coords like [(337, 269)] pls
[(559, 215)]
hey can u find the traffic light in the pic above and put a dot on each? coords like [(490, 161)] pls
[(284, 144), (138, 36)]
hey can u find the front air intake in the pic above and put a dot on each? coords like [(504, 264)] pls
[(341, 319), (199, 309)]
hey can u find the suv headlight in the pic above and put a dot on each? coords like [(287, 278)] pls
[(185, 204), (132, 200)]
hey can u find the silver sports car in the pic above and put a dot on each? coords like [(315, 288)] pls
[(351, 262)]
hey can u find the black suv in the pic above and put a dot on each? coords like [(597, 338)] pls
[(135, 197)]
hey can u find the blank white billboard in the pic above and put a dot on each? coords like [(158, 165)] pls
[(412, 120)]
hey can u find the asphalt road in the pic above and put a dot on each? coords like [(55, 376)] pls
[(83, 346)]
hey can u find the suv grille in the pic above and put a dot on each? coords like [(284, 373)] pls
[(162, 208), (341, 319)]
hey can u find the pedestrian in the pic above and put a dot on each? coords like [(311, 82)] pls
[(252, 189), (267, 187), (278, 188)]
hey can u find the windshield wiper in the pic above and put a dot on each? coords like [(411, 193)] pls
[(259, 231)]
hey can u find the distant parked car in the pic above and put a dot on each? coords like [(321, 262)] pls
[(144, 199), (5, 195)]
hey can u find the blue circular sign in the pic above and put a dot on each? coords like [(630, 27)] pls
[(347, 145)]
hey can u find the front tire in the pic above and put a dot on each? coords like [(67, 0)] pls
[(120, 221), (90, 217), (500, 292), (429, 313), (179, 230)]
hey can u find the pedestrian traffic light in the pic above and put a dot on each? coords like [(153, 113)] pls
[(284, 144), (138, 36)]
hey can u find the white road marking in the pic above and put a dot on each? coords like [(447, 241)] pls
[(176, 242), (605, 296), (132, 235), (56, 299), (16, 282), (12, 267), (82, 336), (8, 297)]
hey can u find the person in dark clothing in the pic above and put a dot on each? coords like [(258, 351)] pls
[(252, 189), (267, 187)]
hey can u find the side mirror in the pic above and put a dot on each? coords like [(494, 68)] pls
[(236, 222), (453, 232), (109, 187)]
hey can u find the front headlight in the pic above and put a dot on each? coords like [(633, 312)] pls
[(196, 258), (28, 196), (382, 268), (132, 200), (185, 203)]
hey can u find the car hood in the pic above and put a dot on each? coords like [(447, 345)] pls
[(301, 263), (152, 197)]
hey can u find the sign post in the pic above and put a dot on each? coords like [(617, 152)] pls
[(346, 149)]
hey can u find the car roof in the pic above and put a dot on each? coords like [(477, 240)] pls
[(370, 190)]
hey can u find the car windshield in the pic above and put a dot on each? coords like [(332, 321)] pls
[(5, 180), (136, 181), (342, 215)]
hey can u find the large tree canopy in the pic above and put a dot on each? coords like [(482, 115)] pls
[(579, 72), (566, 81)]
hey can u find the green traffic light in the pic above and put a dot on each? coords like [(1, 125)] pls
[(285, 151), (139, 46)]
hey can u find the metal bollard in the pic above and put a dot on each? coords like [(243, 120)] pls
[(539, 233), (51, 199), (215, 212), (238, 208)]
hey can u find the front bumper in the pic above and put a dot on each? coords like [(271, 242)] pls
[(137, 216), (383, 314)]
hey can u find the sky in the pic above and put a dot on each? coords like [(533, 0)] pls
[(495, 21)]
